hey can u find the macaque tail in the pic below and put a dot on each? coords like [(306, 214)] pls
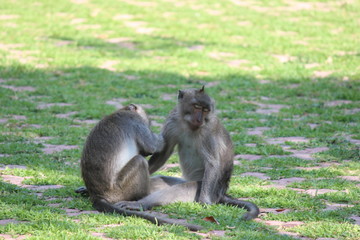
[(253, 210), (104, 206)]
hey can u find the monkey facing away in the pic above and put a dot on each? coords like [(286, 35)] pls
[(206, 157), (112, 164)]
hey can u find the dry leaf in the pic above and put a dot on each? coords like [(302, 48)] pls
[(211, 219)]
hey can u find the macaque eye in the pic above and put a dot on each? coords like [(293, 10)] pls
[(196, 106), (206, 110)]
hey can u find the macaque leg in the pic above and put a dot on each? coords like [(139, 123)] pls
[(182, 192), (160, 182), (131, 183)]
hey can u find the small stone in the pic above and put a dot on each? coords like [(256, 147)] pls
[(50, 149), (248, 157)]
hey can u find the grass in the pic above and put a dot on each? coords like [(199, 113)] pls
[(63, 62)]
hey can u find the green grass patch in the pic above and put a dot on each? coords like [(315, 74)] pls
[(327, 229), (289, 66), (337, 184)]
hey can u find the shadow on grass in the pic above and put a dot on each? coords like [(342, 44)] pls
[(88, 88)]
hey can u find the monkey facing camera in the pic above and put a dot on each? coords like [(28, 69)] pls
[(117, 176), (206, 158)]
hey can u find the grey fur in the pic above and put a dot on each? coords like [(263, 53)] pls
[(206, 156), (113, 168)]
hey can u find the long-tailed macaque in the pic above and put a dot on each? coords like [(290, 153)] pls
[(206, 157), (112, 167)]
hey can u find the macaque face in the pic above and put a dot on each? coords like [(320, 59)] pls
[(196, 108), (198, 115)]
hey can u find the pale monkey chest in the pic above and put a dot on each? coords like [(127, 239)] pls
[(191, 160)]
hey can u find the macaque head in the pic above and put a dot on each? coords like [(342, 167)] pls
[(195, 107), (139, 110)]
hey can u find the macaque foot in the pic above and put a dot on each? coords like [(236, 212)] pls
[(83, 191), (130, 205)]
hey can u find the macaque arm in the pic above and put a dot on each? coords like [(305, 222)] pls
[(157, 160), (148, 141), (209, 185)]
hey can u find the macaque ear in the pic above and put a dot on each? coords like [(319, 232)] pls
[(202, 89), (132, 107), (181, 94)]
